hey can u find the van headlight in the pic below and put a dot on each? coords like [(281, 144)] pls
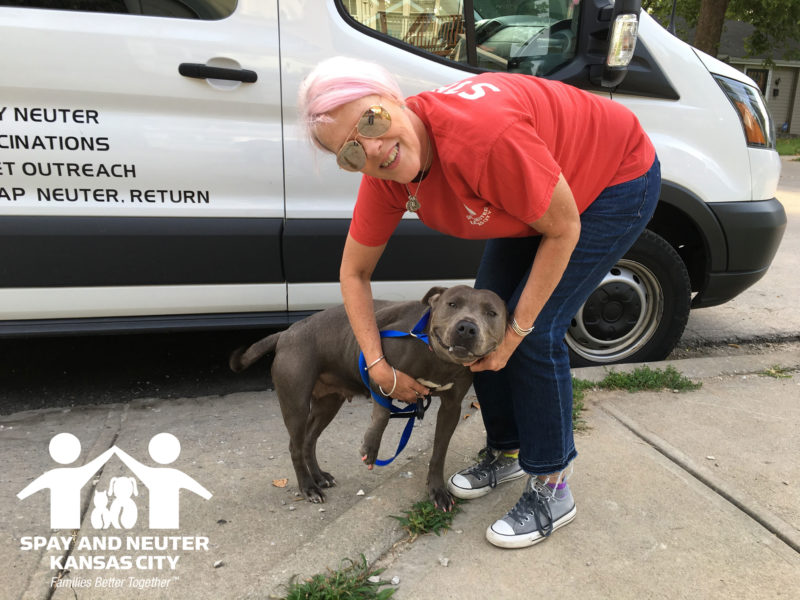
[(752, 110)]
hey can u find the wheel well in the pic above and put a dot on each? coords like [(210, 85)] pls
[(682, 233)]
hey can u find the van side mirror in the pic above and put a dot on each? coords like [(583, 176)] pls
[(622, 35)]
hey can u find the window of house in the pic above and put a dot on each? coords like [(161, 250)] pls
[(760, 77), (534, 37)]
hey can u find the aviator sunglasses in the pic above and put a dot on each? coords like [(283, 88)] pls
[(373, 123)]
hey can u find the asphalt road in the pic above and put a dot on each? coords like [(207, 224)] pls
[(40, 372)]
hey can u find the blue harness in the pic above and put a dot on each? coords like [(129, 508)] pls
[(411, 411)]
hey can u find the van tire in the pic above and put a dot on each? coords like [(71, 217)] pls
[(639, 311)]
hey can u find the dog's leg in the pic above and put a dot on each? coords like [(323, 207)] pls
[(373, 436), (323, 410), (446, 421), (294, 384)]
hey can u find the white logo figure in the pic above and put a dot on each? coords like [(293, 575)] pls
[(123, 511), (65, 484), (163, 483)]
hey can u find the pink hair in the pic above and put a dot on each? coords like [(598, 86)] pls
[(337, 81)]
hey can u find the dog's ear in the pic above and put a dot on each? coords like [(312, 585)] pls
[(433, 295)]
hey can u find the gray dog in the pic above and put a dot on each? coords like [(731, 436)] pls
[(315, 370)]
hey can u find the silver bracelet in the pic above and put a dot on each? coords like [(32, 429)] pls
[(394, 385), (374, 362), (519, 330)]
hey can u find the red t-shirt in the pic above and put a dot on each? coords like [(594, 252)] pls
[(501, 140)]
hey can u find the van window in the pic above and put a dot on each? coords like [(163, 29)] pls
[(534, 37), (208, 10)]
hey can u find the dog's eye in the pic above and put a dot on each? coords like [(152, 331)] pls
[(452, 304), (491, 313)]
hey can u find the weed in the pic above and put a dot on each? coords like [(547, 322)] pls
[(424, 517), (645, 378), (351, 581), (579, 387), (642, 378), (777, 372)]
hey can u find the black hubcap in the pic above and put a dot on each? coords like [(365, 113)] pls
[(612, 311)]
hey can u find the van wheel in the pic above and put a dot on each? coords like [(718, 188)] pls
[(638, 312)]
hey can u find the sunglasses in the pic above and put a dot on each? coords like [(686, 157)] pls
[(373, 123)]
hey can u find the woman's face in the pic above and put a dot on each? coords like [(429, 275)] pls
[(398, 154)]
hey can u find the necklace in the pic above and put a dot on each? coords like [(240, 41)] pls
[(413, 204)]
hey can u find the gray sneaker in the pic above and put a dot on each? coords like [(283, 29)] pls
[(538, 513), (482, 477)]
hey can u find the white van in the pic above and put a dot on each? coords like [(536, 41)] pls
[(153, 176)]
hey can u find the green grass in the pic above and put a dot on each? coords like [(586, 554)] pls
[(424, 517), (777, 372), (639, 380), (579, 387), (788, 146), (350, 582), (645, 378)]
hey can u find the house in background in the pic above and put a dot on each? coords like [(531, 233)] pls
[(779, 78)]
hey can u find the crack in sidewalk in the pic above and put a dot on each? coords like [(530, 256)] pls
[(764, 517), (87, 502)]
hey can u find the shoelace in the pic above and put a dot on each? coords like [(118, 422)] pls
[(486, 468), (535, 501)]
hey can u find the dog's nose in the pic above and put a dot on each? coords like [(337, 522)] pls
[(466, 330)]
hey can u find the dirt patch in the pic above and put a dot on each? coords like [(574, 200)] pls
[(734, 349)]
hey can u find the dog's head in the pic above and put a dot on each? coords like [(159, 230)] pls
[(465, 324)]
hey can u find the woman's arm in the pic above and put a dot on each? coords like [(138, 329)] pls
[(560, 227), (355, 273)]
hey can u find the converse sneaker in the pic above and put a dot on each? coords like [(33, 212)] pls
[(538, 513), (481, 478)]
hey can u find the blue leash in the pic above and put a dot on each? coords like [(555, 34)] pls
[(411, 411)]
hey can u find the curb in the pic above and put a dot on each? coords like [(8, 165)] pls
[(701, 368)]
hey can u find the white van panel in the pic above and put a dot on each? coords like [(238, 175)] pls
[(312, 296), (78, 303), (97, 93), (766, 171)]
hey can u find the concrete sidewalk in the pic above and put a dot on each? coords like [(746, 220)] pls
[(694, 494)]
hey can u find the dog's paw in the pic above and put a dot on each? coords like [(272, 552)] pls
[(441, 499), (313, 494), (325, 480), (369, 454)]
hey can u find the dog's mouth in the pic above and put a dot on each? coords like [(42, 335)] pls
[(461, 354)]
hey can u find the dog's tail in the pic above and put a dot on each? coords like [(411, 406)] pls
[(243, 357)]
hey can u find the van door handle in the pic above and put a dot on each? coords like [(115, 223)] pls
[(201, 71)]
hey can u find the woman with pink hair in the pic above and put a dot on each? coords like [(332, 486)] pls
[(559, 181)]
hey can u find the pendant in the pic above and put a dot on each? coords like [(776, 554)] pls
[(413, 204)]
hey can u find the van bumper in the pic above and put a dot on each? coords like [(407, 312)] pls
[(753, 232)]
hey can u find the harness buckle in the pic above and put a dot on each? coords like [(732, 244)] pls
[(419, 412)]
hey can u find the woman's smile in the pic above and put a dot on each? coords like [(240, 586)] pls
[(390, 162)]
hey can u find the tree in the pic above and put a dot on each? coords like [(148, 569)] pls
[(775, 21), (709, 25)]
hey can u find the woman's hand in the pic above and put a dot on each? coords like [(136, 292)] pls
[(498, 359), (406, 389)]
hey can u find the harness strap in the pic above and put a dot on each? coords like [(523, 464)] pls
[(410, 411)]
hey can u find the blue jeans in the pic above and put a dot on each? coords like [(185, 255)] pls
[(528, 404)]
